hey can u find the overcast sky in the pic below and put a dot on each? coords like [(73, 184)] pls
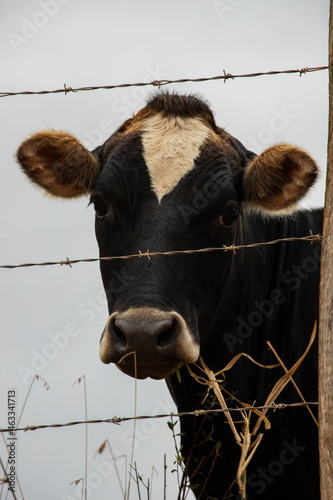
[(46, 44)]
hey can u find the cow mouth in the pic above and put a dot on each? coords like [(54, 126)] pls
[(142, 371)]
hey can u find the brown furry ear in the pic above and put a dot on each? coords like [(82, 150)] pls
[(278, 178), (59, 163)]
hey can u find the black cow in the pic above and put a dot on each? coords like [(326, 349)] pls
[(170, 179)]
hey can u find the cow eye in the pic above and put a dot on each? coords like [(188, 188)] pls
[(228, 217), (101, 208)]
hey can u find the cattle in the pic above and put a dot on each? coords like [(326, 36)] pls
[(169, 179)]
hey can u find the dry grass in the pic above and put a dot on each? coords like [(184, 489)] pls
[(244, 431), (246, 438), (5, 469)]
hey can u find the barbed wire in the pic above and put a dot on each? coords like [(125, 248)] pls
[(195, 413), (311, 237), (159, 83)]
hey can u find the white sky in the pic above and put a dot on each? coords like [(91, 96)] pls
[(83, 43)]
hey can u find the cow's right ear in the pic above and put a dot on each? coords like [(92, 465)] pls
[(278, 178), (59, 163)]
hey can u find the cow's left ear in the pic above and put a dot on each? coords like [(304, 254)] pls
[(278, 178), (59, 163)]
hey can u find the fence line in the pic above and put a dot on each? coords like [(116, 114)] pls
[(311, 237), (147, 254), (195, 413), (159, 83)]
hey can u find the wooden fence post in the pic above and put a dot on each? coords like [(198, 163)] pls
[(326, 310)]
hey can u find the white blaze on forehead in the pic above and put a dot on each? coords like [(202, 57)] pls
[(170, 147)]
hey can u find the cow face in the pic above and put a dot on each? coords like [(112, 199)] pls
[(168, 179)]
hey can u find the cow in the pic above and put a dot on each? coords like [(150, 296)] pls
[(169, 179)]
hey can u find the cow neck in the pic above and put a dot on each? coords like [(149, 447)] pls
[(250, 277)]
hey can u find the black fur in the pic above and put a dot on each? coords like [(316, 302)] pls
[(233, 302)]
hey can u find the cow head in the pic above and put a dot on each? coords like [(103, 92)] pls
[(167, 179)]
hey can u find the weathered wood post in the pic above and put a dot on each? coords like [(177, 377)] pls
[(326, 310)]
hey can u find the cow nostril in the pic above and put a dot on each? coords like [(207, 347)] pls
[(119, 336), (165, 337), (148, 335)]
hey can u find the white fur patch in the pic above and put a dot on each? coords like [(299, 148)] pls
[(170, 147)]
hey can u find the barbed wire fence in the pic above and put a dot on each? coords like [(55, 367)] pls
[(160, 83), (225, 76), (148, 254), (195, 413)]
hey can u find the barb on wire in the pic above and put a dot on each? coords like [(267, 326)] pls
[(311, 237), (195, 413), (159, 83)]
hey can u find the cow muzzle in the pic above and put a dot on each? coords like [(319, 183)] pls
[(147, 342)]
